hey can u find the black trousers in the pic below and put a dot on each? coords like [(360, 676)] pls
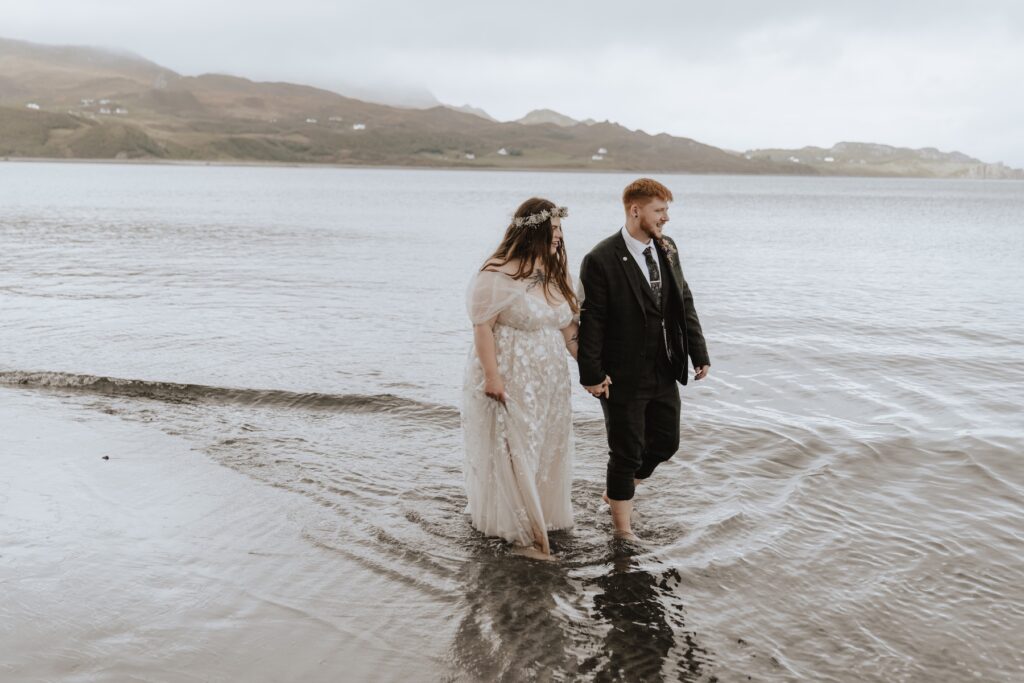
[(642, 433)]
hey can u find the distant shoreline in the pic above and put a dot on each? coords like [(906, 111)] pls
[(395, 167), (390, 167)]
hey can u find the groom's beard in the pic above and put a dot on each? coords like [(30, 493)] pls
[(650, 229)]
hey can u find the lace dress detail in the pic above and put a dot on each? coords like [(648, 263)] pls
[(518, 464)]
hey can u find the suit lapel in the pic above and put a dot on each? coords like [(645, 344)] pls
[(634, 278)]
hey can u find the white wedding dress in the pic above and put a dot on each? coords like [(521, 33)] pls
[(518, 464)]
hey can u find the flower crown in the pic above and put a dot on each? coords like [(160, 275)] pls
[(540, 216)]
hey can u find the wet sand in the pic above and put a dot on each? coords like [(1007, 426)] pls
[(159, 565)]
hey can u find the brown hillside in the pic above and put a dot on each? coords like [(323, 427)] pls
[(79, 102)]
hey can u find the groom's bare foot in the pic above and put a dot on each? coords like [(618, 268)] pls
[(626, 535)]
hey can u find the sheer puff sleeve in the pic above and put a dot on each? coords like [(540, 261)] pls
[(489, 294)]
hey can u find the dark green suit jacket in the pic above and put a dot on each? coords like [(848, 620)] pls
[(613, 321)]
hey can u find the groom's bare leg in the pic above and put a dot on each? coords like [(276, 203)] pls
[(622, 510)]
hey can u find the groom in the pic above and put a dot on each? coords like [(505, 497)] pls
[(637, 328)]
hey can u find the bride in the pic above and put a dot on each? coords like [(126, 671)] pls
[(517, 417)]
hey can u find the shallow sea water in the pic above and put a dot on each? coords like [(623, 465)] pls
[(847, 501)]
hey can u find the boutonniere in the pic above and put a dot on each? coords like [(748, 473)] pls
[(670, 251)]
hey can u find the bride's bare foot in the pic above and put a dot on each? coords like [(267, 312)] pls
[(532, 552), (540, 541)]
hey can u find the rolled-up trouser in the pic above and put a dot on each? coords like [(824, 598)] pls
[(642, 433)]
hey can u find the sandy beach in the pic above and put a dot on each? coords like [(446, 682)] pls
[(160, 565)]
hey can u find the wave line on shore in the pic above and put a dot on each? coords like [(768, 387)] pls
[(199, 393)]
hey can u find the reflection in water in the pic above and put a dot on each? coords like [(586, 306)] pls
[(527, 620), (514, 627), (646, 637)]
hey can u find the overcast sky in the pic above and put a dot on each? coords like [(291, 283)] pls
[(735, 74)]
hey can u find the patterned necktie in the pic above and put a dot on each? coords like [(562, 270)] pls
[(652, 269)]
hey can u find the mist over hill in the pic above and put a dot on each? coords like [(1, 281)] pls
[(93, 103)]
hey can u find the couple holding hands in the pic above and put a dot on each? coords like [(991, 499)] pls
[(631, 325)]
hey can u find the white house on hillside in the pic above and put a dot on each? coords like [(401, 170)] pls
[(32, 105), (358, 126)]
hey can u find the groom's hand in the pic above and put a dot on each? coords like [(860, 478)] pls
[(602, 389), (701, 372)]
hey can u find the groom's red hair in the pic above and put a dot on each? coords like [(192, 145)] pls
[(643, 190)]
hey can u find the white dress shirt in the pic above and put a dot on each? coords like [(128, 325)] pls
[(636, 250)]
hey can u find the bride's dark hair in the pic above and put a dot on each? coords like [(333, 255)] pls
[(530, 244)]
